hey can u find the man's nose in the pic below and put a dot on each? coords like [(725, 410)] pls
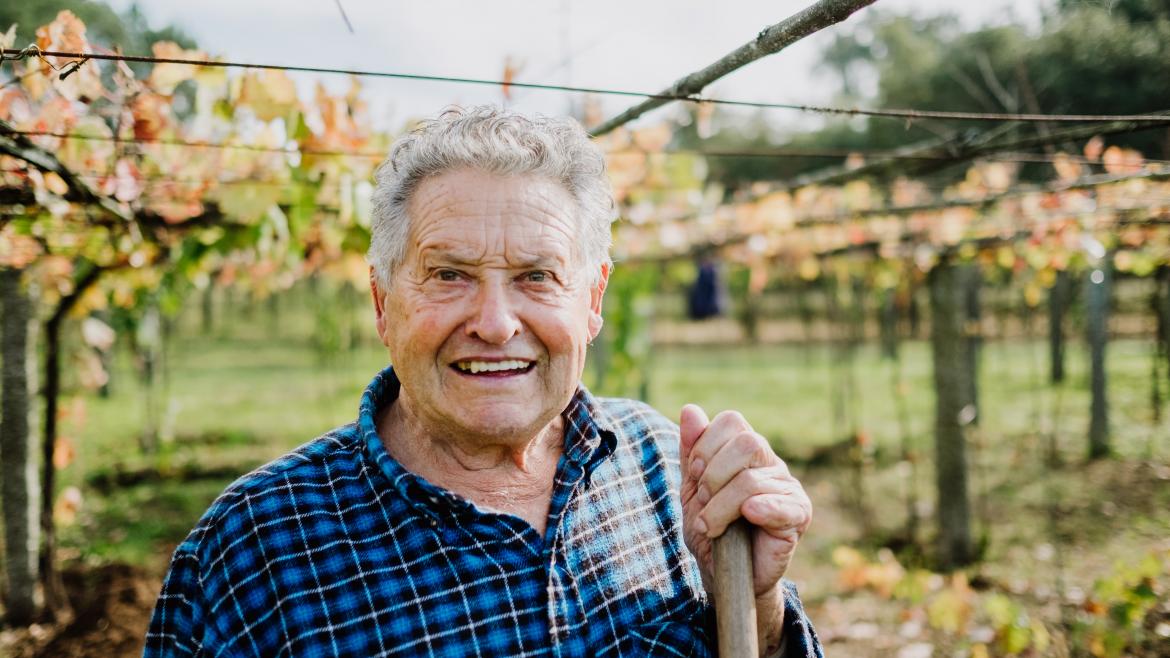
[(493, 319)]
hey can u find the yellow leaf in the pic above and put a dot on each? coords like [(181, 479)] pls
[(951, 609), (247, 203), (55, 184), (1040, 636), (164, 77), (94, 299), (1032, 295), (211, 85), (809, 269), (1005, 257), (1066, 169), (269, 94), (35, 79)]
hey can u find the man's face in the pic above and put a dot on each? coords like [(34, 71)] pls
[(488, 317)]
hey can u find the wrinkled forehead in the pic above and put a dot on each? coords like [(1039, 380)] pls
[(472, 215)]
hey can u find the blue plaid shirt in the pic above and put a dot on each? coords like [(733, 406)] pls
[(336, 549)]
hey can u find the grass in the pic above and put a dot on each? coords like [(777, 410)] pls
[(246, 399), (786, 392)]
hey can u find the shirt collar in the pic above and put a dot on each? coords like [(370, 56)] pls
[(589, 439)]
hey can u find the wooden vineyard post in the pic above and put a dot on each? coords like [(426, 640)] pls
[(1097, 326), (735, 600), (953, 411)]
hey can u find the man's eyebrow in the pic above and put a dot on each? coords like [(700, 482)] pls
[(440, 256), (447, 257)]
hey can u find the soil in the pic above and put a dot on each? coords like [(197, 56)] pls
[(112, 605)]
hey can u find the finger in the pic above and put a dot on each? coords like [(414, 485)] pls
[(691, 423), (724, 506), (745, 450), (720, 430), (780, 515)]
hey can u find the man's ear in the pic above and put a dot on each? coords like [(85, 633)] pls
[(596, 293), (379, 296)]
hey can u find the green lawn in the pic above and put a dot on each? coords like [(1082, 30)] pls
[(236, 402)]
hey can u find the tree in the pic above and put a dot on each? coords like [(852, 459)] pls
[(953, 411), (20, 492), (270, 221)]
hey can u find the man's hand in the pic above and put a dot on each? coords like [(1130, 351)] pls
[(729, 471)]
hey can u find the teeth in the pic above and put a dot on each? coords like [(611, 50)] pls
[(492, 366)]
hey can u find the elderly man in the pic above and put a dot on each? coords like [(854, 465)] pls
[(484, 503)]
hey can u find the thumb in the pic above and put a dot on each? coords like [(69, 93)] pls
[(691, 423)]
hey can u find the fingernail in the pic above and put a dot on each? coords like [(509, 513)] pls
[(704, 494), (697, 467), (701, 526)]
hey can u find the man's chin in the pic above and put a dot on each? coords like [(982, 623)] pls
[(501, 420)]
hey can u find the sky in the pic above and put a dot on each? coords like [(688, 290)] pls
[(639, 45)]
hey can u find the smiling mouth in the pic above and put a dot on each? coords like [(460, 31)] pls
[(493, 368)]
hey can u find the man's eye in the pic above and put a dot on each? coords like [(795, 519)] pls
[(538, 276), (448, 275)]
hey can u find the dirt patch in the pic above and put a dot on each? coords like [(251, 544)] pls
[(106, 481), (112, 605)]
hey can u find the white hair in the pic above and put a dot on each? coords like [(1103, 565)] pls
[(496, 141)]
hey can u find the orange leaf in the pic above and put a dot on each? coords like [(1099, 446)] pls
[(1094, 147), (67, 34), (152, 114), (63, 452), (1122, 161), (68, 505), (17, 251), (511, 70)]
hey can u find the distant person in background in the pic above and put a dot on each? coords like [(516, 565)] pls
[(705, 296), (484, 503)]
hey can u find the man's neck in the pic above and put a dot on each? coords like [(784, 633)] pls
[(513, 476)]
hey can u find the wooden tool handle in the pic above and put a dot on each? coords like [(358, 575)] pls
[(735, 600)]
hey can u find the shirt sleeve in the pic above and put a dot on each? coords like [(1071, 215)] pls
[(798, 639), (176, 628)]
